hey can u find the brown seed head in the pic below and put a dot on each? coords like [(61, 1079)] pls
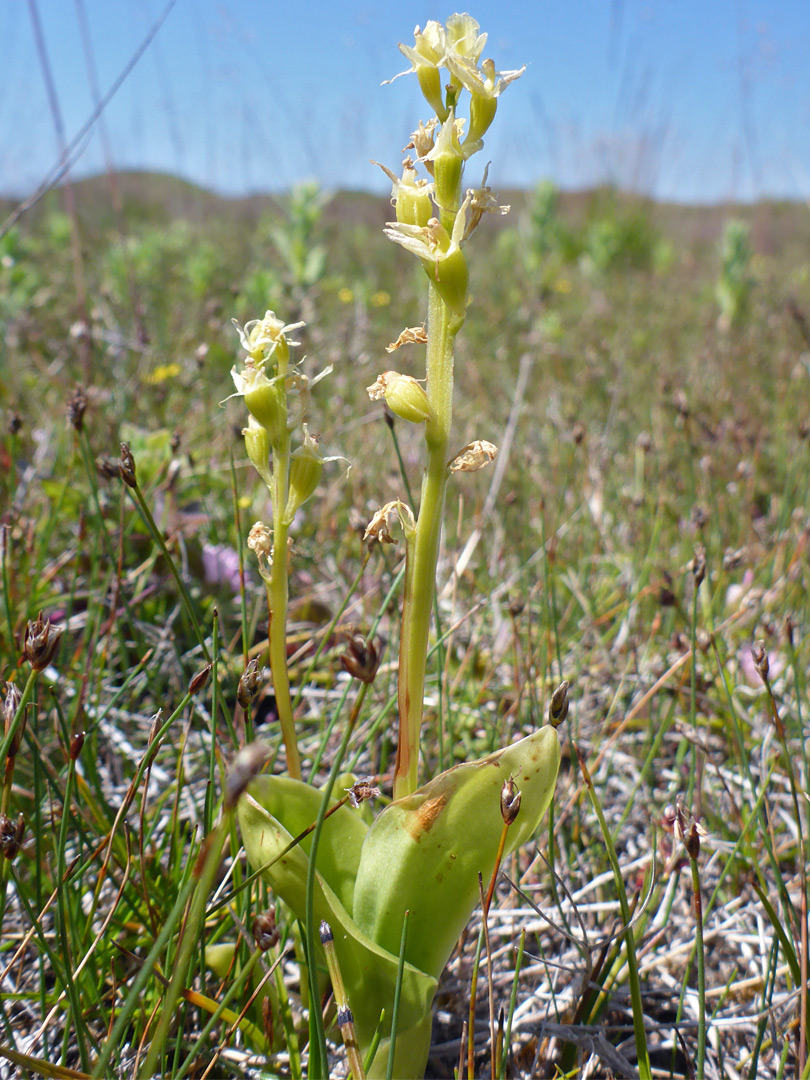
[(761, 662), (77, 403), (265, 931), (510, 801), (126, 466), (699, 565), (76, 744), (692, 842), (249, 682), (199, 680), (558, 706), (11, 835), (40, 642), (9, 710), (361, 659)]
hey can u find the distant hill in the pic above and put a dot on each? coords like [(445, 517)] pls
[(158, 197)]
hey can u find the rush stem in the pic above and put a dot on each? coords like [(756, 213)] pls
[(423, 549)]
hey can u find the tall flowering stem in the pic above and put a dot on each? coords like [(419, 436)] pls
[(434, 221), (424, 550)]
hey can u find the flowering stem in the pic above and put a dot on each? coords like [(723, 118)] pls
[(423, 552), (277, 599)]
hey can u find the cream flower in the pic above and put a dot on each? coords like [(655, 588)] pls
[(462, 39), (409, 194), (261, 337)]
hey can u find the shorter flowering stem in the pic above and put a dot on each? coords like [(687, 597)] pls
[(277, 600)]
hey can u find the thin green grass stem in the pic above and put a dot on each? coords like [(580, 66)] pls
[(317, 1061), (389, 1071), (133, 999), (701, 967), (507, 1039), (202, 883), (644, 1067), (142, 505)]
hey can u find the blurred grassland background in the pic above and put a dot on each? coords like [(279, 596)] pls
[(645, 366)]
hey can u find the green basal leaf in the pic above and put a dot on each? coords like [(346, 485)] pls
[(296, 805), (369, 972), (424, 852)]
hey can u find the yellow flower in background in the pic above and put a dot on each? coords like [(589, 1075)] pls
[(345, 295), (161, 373), (562, 285), (380, 299)]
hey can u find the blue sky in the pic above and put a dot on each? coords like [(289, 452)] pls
[(693, 100)]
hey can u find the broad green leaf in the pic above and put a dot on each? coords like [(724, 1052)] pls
[(424, 852), (295, 805), (369, 972)]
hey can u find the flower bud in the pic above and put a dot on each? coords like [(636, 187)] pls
[(404, 396), (306, 467)]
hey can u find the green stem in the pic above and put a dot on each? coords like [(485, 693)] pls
[(278, 592), (423, 550)]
